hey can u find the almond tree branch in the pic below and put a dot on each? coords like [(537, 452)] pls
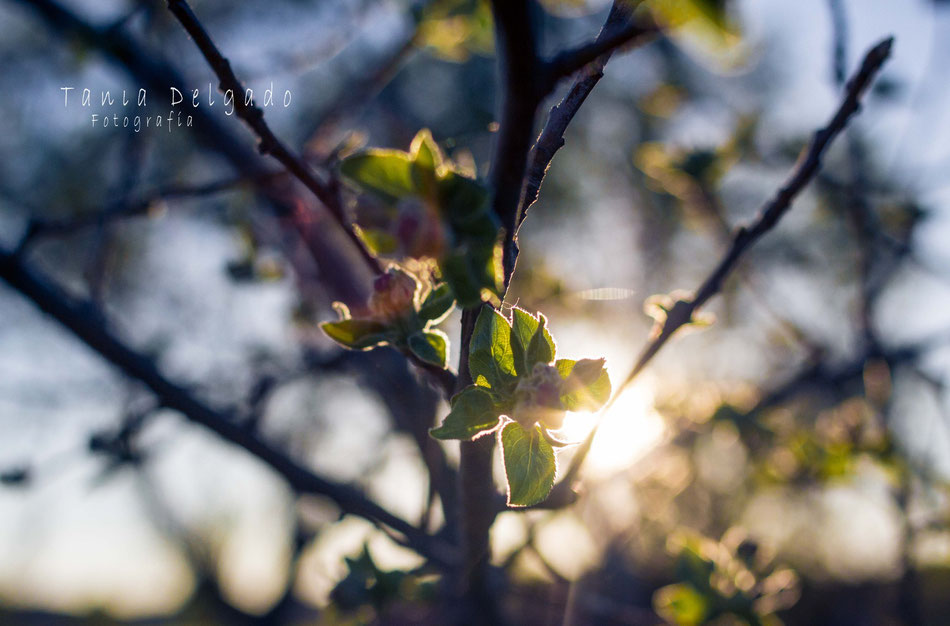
[(268, 142), (682, 311), (88, 328)]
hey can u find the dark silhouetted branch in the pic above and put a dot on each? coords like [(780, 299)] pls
[(74, 316), (617, 29), (521, 72), (615, 34)]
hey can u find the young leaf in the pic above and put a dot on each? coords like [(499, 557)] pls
[(586, 384), (542, 348), (530, 465), (426, 161), (523, 327), (473, 413), (438, 304), (432, 346), (387, 173), (356, 334), (490, 353)]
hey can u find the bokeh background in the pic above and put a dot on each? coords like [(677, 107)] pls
[(794, 454)]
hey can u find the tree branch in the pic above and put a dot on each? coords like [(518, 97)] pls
[(521, 72), (683, 310), (74, 316), (268, 142), (596, 56), (614, 34), (157, 74)]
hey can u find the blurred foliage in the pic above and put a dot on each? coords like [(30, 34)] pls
[(456, 29)]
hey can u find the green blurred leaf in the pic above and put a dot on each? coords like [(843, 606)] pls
[(530, 465), (426, 162), (356, 334), (464, 202), (456, 29), (387, 173), (438, 304), (432, 346), (490, 352), (681, 604), (473, 413), (378, 241), (586, 384)]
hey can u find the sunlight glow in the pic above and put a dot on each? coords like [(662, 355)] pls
[(628, 430)]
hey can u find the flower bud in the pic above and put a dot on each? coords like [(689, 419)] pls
[(538, 398), (394, 295), (420, 230)]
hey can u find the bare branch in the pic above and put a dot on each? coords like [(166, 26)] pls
[(614, 35), (157, 74), (595, 57), (521, 73), (74, 316), (268, 142), (683, 310)]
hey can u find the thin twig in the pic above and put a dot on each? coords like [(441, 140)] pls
[(682, 311), (614, 35), (551, 138), (253, 116)]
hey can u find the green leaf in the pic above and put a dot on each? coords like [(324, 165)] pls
[(523, 327), (542, 348), (432, 346), (387, 173), (586, 384), (356, 334), (473, 413), (530, 465), (681, 604), (438, 304), (426, 161), (464, 201), (531, 342), (490, 350), (378, 241)]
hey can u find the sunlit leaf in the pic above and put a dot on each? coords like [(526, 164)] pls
[(473, 413), (530, 465), (490, 354), (387, 173), (356, 334), (586, 384), (530, 341)]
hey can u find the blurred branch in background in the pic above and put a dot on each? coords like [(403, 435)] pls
[(681, 312), (77, 319)]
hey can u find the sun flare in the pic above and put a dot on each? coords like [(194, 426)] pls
[(628, 430)]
